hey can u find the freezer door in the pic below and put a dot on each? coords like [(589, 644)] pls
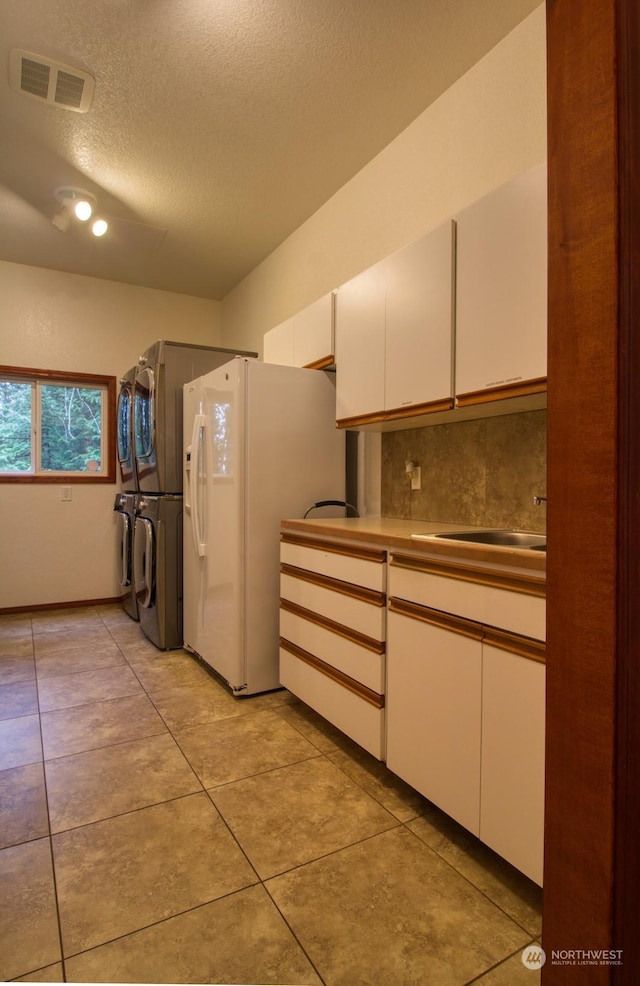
[(214, 527)]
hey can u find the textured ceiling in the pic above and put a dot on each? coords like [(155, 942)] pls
[(217, 126)]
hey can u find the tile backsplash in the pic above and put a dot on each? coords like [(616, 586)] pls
[(481, 473)]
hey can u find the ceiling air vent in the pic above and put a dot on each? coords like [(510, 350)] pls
[(55, 83)]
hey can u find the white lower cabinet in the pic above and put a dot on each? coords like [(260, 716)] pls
[(434, 682), (512, 766), (453, 702), (466, 703), (332, 634)]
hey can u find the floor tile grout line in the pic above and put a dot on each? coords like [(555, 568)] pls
[(294, 935), (104, 746), (162, 920), (129, 811), (479, 890), (507, 958), (50, 836)]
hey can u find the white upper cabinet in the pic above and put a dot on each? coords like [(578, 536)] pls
[(305, 339), (419, 323), (501, 296), (360, 328), (277, 344), (394, 334), (313, 336)]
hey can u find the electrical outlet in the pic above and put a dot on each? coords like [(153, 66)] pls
[(416, 478), (66, 493)]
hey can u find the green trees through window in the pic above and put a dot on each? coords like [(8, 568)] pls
[(51, 428), (15, 426), (71, 428)]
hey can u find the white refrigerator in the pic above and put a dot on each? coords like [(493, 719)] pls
[(260, 445)]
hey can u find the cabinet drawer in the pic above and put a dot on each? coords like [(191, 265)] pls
[(335, 604), (338, 649), (515, 603), (351, 713), (362, 567)]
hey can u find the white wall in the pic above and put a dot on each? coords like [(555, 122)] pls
[(487, 128), (53, 551)]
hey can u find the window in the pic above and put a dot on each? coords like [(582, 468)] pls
[(56, 427)]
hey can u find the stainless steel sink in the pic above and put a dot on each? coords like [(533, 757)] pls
[(500, 538)]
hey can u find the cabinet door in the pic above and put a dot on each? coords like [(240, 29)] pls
[(419, 327), (277, 344), (360, 329), (501, 297), (433, 713), (313, 344), (512, 778)]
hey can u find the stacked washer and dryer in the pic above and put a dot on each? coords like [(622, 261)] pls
[(149, 442)]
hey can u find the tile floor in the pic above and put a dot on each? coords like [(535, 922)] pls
[(153, 828)]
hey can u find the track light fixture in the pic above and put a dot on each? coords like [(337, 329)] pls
[(78, 204)]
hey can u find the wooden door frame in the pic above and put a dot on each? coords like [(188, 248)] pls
[(592, 824)]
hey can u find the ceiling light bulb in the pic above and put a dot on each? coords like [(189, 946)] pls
[(100, 227), (83, 210)]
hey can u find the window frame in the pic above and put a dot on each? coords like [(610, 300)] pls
[(29, 374)]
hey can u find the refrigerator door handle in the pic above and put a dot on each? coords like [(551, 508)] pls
[(187, 480), (197, 440)]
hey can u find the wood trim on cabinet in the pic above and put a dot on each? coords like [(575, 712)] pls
[(412, 410), (354, 636), (358, 592), (397, 413), (519, 388), (445, 621), (356, 687), (377, 555), (511, 581), (357, 420), (320, 364), (533, 650)]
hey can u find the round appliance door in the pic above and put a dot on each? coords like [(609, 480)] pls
[(144, 421), (124, 432)]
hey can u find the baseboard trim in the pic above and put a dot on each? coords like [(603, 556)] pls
[(73, 604)]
